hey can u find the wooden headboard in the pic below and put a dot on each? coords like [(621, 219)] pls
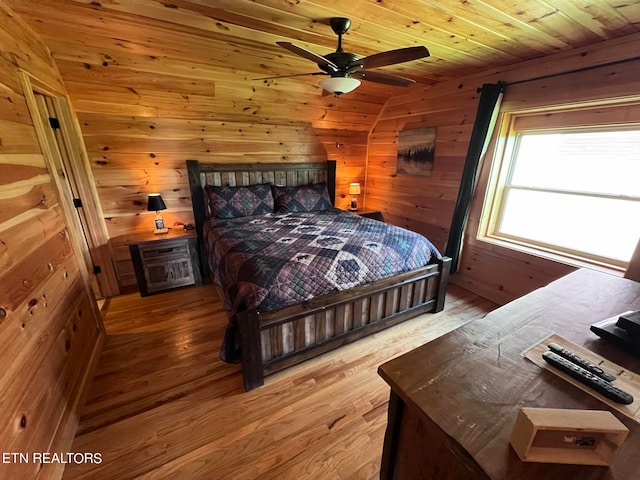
[(240, 174)]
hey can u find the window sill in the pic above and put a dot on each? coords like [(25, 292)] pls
[(552, 256)]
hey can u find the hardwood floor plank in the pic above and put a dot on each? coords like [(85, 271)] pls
[(163, 405)]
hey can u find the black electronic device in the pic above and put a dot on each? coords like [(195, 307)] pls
[(587, 378), (615, 330), (630, 321), (581, 362)]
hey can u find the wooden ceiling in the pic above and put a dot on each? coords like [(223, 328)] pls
[(236, 38)]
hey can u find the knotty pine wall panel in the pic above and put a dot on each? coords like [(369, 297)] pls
[(426, 204), (150, 97), (50, 328), (134, 156), (420, 203)]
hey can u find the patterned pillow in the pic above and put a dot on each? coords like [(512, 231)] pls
[(305, 198), (234, 202)]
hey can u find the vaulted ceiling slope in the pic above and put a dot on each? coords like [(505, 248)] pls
[(217, 48)]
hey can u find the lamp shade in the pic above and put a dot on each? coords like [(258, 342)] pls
[(354, 189), (155, 203), (340, 85)]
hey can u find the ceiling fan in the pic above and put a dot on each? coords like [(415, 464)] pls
[(347, 69)]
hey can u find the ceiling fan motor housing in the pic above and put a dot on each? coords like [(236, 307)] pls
[(344, 62)]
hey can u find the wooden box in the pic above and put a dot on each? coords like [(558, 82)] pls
[(578, 437)]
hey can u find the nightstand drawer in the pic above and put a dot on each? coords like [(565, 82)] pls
[(167, 250)]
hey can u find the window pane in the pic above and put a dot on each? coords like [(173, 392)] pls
[(602, 162), (605, 227)]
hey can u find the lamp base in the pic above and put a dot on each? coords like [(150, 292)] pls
[(352, 209), (160, 228)]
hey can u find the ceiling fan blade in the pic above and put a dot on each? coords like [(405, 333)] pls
[(291, 75), (391, 57), (387, 79), (308, 55)]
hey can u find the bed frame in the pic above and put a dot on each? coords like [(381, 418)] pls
[(272, 341)]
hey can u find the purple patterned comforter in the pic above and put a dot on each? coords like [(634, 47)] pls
[(274, 260)]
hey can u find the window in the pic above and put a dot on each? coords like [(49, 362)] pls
[(564, 188)]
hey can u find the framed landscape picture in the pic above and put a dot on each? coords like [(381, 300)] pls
[(416, 150)]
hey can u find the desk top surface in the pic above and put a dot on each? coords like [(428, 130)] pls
[(473, 381)]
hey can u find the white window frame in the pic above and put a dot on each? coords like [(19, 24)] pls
[(592, 117)]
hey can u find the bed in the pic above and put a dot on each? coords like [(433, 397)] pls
[(273, 337)]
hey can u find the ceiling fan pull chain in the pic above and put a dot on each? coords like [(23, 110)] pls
[(337, 129)]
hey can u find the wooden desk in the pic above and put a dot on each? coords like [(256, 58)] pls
[(454, 400)]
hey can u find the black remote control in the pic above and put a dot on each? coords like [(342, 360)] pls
[(581, 362), (588, 378)]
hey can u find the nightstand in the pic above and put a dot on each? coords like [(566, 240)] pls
[(366, 212), (166, 261)]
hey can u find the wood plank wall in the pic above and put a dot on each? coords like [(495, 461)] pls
[(134, 155), (426, 204), (143, 114), (50, 328), (151, 93)]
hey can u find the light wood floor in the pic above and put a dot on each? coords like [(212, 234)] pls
[(162, 405)]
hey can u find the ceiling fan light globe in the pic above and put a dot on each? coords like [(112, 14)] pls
[(340, 85)]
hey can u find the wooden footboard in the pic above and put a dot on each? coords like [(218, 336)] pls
[(272, 341)]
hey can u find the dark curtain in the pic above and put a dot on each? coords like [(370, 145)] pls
[(490, 93)]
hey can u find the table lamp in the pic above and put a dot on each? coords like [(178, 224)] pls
[(354, 189), (155, 203)]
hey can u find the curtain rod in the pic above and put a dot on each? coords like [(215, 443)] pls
[(577, 70)]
